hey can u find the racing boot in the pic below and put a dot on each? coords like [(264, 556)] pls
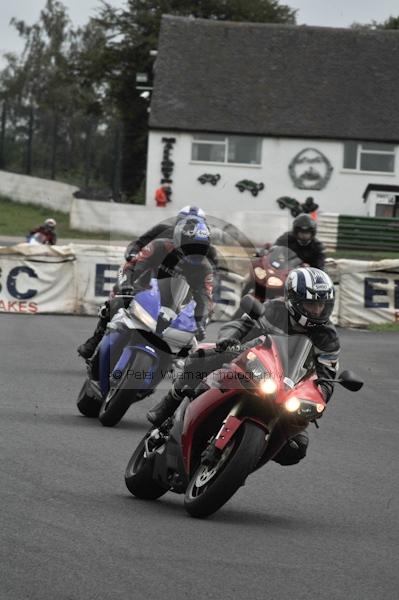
[(165, 408), (87, 349)]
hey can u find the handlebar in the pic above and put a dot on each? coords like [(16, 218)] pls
[(236, 348)]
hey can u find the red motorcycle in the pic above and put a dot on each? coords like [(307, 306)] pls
[(246, 414), (269, 271)]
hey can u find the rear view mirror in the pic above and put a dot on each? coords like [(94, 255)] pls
[(251, 306), (350, 381)]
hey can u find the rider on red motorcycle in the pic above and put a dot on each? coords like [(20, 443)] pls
[(302, 240), (306, 308)]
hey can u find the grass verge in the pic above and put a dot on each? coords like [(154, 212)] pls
[(384, 327), (363, 254), (18, 219)]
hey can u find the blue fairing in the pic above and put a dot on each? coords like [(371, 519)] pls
[(185, 320), (105, 355), (150, 299), (107, 343)]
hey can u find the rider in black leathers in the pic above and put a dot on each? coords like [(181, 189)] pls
[(161, 231), (293, 314), (302, 240), (165, 229), (178, 258)]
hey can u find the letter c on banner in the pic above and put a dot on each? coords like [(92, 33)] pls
[(12, 283)]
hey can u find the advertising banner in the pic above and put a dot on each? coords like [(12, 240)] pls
[(367, 298), (31, 283)]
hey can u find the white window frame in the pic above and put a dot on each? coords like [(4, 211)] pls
[(224, 143), (360, 150)]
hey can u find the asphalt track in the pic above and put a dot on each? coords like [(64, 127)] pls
[(326, 529)]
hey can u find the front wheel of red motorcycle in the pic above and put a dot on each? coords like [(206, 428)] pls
[(138, 475), (211, 486)]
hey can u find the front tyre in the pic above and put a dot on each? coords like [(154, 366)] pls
[(138, 476), (121, 395), (88, 405), (212, 486)]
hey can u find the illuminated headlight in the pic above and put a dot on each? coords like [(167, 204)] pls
[(268, 386), (274, 282), (304, 408), (293, 404), (143, 315), (260, 273)]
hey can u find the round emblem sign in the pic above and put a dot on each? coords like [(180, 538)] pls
[(310, 169)]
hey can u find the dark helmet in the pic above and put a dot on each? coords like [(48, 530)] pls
[(309, 296), (188, 211), (304, 229), (192, 236)]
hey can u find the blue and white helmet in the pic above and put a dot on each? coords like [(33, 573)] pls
[(188, 211), (309, 296), (192, 236)]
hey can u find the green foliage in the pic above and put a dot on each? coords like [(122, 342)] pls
[(132, 33), (18, 219), (383, 327), (390, 23), (69, 107)]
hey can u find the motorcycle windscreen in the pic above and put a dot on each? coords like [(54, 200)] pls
[(283, 258), (296, 355), (173, 291)]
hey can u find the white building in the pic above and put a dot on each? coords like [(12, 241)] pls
[(291, 111)]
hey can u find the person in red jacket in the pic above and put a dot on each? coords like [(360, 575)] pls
[(162, 195)]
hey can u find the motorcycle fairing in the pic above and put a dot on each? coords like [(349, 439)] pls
[(169, 464), (122, 363), (185, 320), (150, 299)]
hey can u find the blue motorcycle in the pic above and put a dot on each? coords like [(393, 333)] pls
[(144, 344)]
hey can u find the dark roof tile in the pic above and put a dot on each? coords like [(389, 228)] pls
[(278, 80)]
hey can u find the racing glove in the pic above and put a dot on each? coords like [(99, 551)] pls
[(224, 343)]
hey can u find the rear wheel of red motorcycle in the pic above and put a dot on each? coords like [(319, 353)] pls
[(124, 392), (212, 486), (138, 476)]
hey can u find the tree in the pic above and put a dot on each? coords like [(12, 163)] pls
[(390, 23), (131, 33)]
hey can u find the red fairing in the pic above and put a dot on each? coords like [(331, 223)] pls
[(197, 411), (230, 381)]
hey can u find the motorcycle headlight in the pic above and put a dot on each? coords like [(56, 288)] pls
[(260, 273), (260, 375), (304, 408), (140, 313), (268, 386), (274, 282)]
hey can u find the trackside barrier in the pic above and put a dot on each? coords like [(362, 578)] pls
[(327, 230), (368, 233), (35, 190), (76, 279)]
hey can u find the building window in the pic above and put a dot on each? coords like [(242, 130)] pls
[(232, 149), (369, 157)]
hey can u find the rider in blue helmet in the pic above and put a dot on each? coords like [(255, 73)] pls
[(175, 249)]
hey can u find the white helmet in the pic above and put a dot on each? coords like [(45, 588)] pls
[(50, 223), (188, 211)]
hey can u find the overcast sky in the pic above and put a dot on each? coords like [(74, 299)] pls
[(333, 13)]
